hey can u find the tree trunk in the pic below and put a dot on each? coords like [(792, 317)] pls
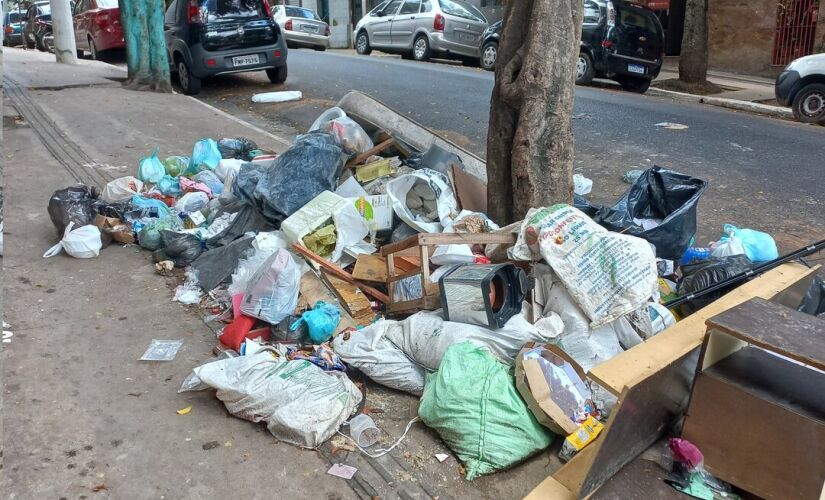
[(693, 60), (146, 56), (530, 139), (65, 50)]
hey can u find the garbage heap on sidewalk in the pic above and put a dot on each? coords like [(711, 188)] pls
[(350, 251)]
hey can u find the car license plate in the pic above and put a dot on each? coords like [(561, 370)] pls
[(310, 29), (636, 68), (466, 37), (245, 60)]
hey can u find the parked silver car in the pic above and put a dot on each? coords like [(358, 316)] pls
[(422, 29), (301, 27)]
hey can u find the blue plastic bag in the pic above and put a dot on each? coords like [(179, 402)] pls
[(169, 186), (150, 168), (206, 153), (759, 246), (321, 321), (209, 178), (140, 202)]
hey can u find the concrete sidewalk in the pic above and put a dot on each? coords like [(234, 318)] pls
[(82, 417)]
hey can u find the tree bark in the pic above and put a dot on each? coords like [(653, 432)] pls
[(530, 139), (147, 61), (693, 60)]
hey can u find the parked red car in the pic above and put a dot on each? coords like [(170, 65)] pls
[(97, 27)]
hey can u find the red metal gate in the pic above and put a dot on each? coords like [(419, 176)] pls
[(795, 30)]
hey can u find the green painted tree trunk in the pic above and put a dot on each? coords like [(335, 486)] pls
[(146, 57)]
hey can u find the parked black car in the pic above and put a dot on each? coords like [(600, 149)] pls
[(620, 40), (214, 37)]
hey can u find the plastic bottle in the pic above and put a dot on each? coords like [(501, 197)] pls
[(695, 254)]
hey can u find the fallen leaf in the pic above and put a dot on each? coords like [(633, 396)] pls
[(184, 411), (100, 487)]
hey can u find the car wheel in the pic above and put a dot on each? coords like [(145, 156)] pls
[(320, 48), (584, 69), (191, 85), (488, 56), (38, 42), (29, 43), (80, 53), (277, 75), (637, 85), (93, 53), (809, 104), (421, 48), (362, 44)]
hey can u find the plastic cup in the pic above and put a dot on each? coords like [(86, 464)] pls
[(363, 430)]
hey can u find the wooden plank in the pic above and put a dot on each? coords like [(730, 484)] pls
[(639, 362), (370, 152), (423, 239), (645, 412), (775, 328), (550, 489), (313, 290), (337, 271), (572, 474), (753, 442), (371, 268), (351, 298)]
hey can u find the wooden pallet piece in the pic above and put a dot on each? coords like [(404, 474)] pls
[(351, 298)]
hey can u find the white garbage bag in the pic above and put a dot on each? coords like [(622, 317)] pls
[(369, 351), (272, 292), (300, 403), (608, 274), (81, 243), (425, 337), (426, 183), (121, 189)]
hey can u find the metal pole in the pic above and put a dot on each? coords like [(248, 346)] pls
[(63, 29)]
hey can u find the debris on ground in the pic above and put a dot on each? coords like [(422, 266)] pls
[(353, 254)]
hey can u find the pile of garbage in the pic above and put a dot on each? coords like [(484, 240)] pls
[(254, 233)]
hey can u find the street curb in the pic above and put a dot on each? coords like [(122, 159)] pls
[(750, 107), (284, 142)]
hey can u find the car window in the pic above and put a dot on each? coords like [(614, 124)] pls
[(392, 8), (44, 10), (426, 6), (172, 13), (106, 4), (300, 12), (461, 9), (83, 5), (637, 18), (378, 7), (15, 17), (592, 14), (217, 10), (410, 7)]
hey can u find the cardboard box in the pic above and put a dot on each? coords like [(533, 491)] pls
[(112, 228), (552, 385)]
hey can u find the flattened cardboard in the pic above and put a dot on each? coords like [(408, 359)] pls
[(470, 191), (533, 388)]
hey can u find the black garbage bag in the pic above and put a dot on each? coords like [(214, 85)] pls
[(117, 210), (182, 248), (78, 204), (214, 266), (814, 301), (658, 194), (310, 166), (249, 219), (710, 272), (239, 148)]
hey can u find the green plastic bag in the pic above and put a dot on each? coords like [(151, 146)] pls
[(473, 404), (176, 165), (149, 235)]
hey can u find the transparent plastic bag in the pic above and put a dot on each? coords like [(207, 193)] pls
[(326, 117), (176, 165), (758, 246), (211, 180), (272, 292), (162, 350), (349, 135), (121, 189), (192, 202), (150, 168)]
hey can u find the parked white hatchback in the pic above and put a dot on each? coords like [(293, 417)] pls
[(301, 27), (802, 87), (421, 29)]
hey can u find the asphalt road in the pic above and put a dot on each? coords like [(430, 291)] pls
[(763, 172)]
